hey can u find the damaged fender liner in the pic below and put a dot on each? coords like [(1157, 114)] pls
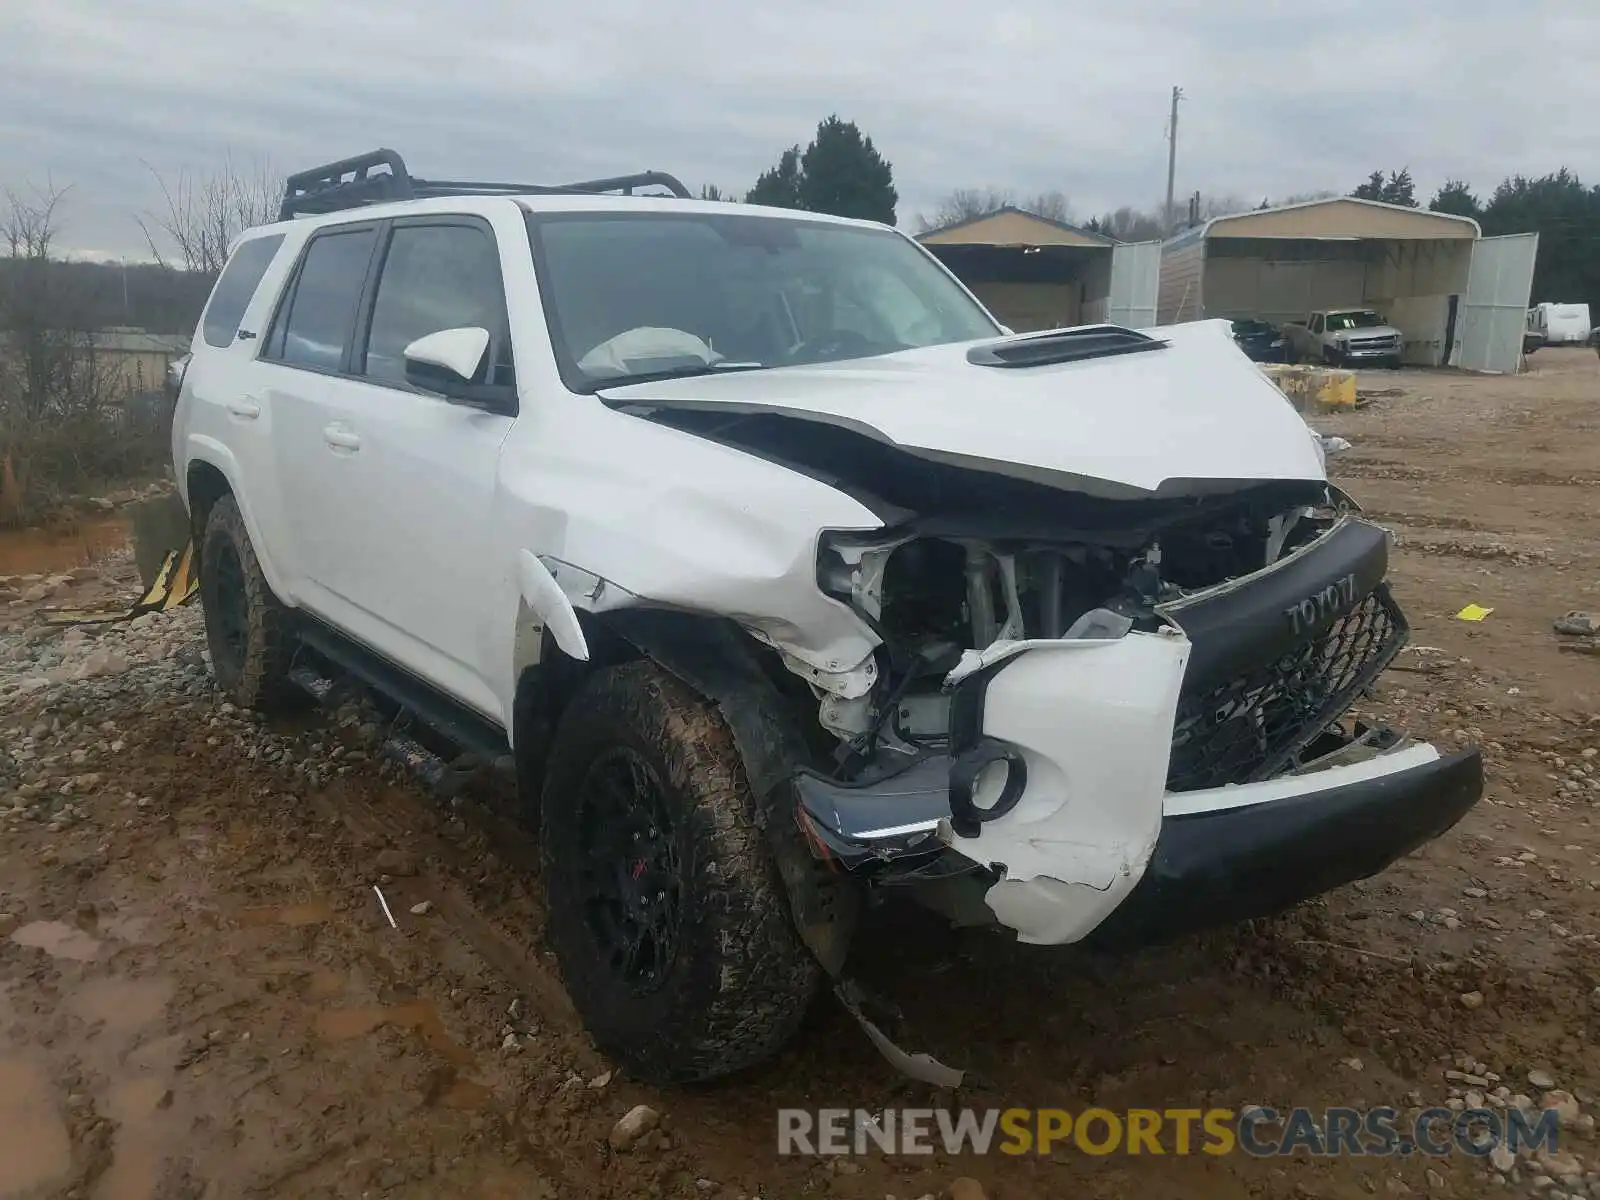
[(1228, 865)]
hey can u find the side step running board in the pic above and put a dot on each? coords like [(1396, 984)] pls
[(398, 746), (458, 724)]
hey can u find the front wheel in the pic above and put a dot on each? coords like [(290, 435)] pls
[(665, 909)]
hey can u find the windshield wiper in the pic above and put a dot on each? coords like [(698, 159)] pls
[(682, 371)]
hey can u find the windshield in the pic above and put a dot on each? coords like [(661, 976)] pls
[(643, 295), (1355, 320)]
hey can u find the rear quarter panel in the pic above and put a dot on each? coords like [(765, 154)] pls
[(206, 431)]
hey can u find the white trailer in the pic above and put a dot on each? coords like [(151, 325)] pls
[(1560, 323)]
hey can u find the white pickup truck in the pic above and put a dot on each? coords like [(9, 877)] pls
[(784, 578), (1346, 337)]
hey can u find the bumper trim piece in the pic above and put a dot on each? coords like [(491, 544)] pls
[(1227, 865)]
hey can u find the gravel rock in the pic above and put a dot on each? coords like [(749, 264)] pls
[(1560, 1163), (1563, 1104), (422, 909), (1502, 1159), (1542, 1080), (395, 862), (1471, 1000), (638, 1121), (965, 1188)]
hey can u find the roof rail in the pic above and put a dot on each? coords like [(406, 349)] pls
[(381, 176)]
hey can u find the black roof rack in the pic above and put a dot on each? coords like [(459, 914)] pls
[(380, 176)]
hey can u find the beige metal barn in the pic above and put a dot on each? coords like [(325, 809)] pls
[(1461, 299), (1036, 273)]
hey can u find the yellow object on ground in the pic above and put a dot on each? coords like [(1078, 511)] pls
[(1314, 387), (1473, 612), (175, 583)]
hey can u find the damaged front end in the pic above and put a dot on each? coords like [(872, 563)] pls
[(1125, 724)]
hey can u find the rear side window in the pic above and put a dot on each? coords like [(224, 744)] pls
[(235, 286), (437, 277), (314, 328)]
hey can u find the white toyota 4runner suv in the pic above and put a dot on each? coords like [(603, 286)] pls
[(784, 575)]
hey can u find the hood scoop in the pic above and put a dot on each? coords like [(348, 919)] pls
[(1063, 346)]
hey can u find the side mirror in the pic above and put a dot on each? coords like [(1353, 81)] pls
[(448, 362), (458, 352)]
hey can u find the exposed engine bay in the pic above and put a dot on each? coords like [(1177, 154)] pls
[(936, 597)]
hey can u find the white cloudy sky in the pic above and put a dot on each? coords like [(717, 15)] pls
[(1026, 94)]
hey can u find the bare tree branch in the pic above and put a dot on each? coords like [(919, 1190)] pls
[(202, 215), (969, 204)]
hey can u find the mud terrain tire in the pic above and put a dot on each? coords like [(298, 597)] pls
[(247, 629), (647, 825)]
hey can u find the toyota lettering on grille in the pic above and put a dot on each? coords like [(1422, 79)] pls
[(1323, 606)]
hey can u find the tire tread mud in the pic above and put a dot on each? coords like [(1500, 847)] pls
[(742, 980), (262, 682)]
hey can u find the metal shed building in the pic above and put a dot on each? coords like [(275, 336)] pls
[(1035, 273), (1460, 299)]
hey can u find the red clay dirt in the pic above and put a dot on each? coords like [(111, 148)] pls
[(200, 995)]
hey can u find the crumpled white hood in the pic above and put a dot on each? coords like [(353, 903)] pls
[(1194, 417)]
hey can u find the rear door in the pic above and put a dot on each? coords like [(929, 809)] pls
[(1494, 311), (303, 367), (1135, 283)]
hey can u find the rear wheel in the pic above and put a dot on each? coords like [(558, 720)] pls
[(247, 629), (666, 912)]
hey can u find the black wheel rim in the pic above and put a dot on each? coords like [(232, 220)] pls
[(628, 868), (226, 605)]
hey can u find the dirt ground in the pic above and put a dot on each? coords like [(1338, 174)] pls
[(200, 995)]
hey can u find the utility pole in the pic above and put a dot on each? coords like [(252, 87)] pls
[(1172, 155)]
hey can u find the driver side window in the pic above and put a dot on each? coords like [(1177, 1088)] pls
[(437, 276), (1316, 324)]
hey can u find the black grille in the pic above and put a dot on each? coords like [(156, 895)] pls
[(1251, 727)]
